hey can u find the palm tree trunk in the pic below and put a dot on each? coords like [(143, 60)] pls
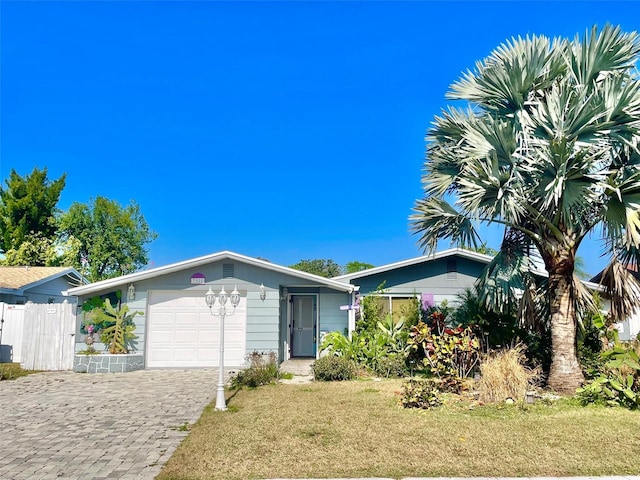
[(565, 374)]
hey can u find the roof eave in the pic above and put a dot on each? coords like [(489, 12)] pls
[(196, 262)]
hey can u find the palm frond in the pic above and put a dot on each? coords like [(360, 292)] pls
[(598, 53), (622, 211), (506, 276), (622, 288), (505, 79), (436, 219)]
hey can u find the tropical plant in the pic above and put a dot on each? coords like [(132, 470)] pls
[(548, 148), (117, 326), (421, 393), (451, 355), (382, 352), (620, 384)]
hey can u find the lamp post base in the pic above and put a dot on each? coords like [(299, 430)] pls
[(221, 403)]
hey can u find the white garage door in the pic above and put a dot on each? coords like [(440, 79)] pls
[(183, 333)]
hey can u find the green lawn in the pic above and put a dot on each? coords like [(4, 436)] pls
[(350, 429)]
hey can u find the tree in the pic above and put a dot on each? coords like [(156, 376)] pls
[(325, 268), (110, 239), (356, 266), (547, 147), (37, 250), (28, 215)]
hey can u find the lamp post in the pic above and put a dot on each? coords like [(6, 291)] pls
[(233, 299)]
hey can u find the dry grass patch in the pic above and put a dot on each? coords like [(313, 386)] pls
[(357, 429), (11, 371), (504, 375)]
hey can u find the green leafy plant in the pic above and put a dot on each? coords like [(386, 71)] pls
[(371, 311), (453, 354), (263, 370), (333, 368), (619, 385), (343, 345), (421, 393), (382, 351), (117, 326)]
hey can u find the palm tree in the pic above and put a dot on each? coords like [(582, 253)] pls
[(547, 146)]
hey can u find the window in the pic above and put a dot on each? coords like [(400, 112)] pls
[(399, 306)]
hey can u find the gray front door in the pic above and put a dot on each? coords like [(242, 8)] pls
[(303, 325)]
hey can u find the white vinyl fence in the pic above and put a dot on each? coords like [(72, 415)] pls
[(41, 336)]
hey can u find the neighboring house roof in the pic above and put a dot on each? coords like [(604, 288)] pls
[(479, 257), (196, 262), (633, 268), (18, 279)]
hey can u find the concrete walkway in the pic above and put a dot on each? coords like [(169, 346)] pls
[(105, 426)]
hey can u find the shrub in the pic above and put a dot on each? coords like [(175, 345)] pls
[(392, 365), (504, 375), (421, 393), (332, 367), (450, 354), (619, 385), (263, 370)]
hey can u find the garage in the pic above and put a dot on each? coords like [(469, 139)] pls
[(183, 333)]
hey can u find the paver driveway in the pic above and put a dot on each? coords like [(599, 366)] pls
[(104, 426)]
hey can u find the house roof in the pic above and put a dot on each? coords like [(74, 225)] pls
[(460, 252), (19, 279), (196, 262), (479, 257)]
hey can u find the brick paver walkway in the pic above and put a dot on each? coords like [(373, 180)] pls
[(105, 426)]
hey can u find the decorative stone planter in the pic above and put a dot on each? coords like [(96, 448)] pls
[(108, 363)]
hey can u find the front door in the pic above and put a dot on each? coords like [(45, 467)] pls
[(303, 323)]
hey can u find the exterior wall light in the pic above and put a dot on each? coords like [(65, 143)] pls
[(131, 292), (263, 292)]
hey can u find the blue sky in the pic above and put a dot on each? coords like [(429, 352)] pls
[(284, 130)]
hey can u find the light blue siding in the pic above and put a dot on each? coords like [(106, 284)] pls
[(331, 317), (427, 277), (266, 320)]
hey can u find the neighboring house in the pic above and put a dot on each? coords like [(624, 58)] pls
[(281, 310), (19, 285), (432, 278), (628, 329)]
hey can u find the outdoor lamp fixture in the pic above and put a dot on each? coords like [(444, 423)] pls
[(224, 301), (263, 292), (131, 292)]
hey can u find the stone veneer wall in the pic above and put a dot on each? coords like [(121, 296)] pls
[(108, 363)]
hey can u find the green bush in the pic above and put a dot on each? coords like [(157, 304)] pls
[(263, 370), (331, 368), (619, 385), (421, 393), (392, 365)]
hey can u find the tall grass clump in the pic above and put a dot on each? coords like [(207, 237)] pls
[(504, 375)]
